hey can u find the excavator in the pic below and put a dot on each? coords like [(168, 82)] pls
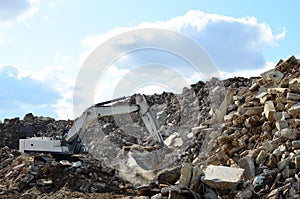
[(70, 143)]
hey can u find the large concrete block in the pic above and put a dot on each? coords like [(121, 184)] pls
[(222, 177)]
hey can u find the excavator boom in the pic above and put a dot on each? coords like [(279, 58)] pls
[(70, 142)]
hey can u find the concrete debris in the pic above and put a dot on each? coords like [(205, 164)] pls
[(11, 130), (186, 175), (222, 177), (25, 173), (170, 176), (247, 164), (236, 138)]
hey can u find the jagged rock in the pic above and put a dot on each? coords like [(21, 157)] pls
[(196, 178), (287, 172), (262, 156), (44, 185), (247, 164), (297, 162), (25, 181), (275, 192), (282, 164), (288, 134), (186, 174), (293, 96), (29, 117), (296, 144), (294, 85), (169, 176), (282, 124), (295, 109), (245, 194), (174, 140), (254, 87), (269, 110), (272, 161)]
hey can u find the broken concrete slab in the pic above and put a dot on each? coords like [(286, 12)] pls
[(294, 85), (276, 76), (269, 110), (254, 87), (174, 140), (222, 177), (275, 91)]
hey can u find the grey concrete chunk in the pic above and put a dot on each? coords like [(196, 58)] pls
[(293, 96), (262, 156), (296, 144), (186, 175), (247, 164)]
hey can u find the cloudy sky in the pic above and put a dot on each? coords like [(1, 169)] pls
[(45, 44)]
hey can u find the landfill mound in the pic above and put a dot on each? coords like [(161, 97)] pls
[(236, 138)]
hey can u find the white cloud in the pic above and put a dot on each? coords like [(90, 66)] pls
[(59, 58), (17, 10), (54, 3), (49, 20), (5, 39), (21, 94), (231, 42), (47, 92), (56, 77)]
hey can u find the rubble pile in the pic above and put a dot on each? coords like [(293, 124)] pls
[(261, 134), (251, 148), (24, 175), (236, 138), (11, 130)]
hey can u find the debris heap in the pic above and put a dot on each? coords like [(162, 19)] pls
[(11, 130), (253, 151), (236, 138)]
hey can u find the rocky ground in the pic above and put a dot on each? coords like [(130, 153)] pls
[(237, 138)]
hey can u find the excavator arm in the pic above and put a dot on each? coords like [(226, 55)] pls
[(46, 144), (95, 112)]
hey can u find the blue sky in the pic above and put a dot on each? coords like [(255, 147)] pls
[(44, 43)]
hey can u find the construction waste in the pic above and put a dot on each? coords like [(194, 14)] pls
[(236, 138)]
